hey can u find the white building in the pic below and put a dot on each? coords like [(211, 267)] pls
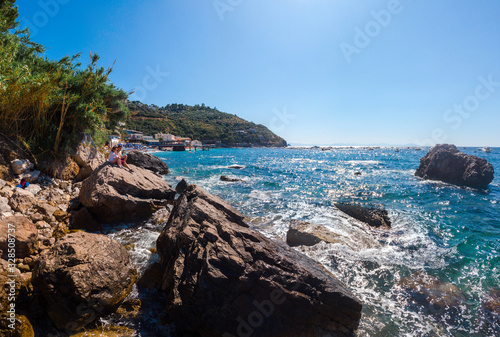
[(196, 143), (165, 136)]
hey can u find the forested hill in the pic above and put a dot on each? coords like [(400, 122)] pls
[(200, 122)]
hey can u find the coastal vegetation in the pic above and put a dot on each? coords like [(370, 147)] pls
[(47, 105), (201, 122)]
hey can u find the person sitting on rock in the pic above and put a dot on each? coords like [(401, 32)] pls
[(122, 157), (116, 158)]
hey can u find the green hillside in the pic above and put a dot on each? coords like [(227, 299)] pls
[(206, 124)]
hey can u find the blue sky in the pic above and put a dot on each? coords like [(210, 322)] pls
[(313, 71)]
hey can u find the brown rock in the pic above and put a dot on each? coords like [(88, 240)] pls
[(107, 331), (23, 327), (61, 215), (97, 274), (113, 194), (446, 163), (21, 200), (147, 161), (222, 277), (8, 285), (231, 180), (82, 219), (25, 233)]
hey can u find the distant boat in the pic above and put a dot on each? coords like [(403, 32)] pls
[(486, 149), (396, 150), (418, 149)]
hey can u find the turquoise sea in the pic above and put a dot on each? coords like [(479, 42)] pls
[(449, 234)]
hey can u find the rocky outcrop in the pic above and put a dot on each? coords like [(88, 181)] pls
[(64, 169), (88, 159), (83, 276), (113, 194), (147, 161), (223, 278), (25, 232), (375, 217), (446, 163)]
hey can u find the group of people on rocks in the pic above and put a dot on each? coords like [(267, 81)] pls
[(116, 157)]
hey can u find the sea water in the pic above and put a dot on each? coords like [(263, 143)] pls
[(448, 232)]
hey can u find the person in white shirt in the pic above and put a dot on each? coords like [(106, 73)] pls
[(116, 158)]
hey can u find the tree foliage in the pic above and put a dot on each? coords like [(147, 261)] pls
[(48, 104)]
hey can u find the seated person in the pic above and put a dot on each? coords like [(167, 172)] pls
[(116, 158)]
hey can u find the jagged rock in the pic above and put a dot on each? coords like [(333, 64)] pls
[(33, 188), (86, 155), (232, 180), (223, 278), (97, 274), (82, 219), (46, 209), (147, 161), (26, 235), (181, 186), (375, 217), (431, 293), (23, 327), (446, 163), (21, 200), (114, 194), (19, 166), (161, 215)]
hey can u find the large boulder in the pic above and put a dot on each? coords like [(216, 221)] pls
[(223, 278), (83, 276), (113, 194), (21, 200), (88, 159), (147, 161), (24, 231), (19, 166), (373, 216), (446, 163)]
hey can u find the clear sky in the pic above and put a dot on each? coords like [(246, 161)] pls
[(313, 71)]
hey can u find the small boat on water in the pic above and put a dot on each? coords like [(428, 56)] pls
[(486, 149)]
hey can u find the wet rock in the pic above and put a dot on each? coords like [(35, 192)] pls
[(161, 216), (229, 179), (25, 233), (222, 277), (129, 309), (19, 166), (152, 277), (301, 233), (21, 200), (97, 274), (446, 163), (113, 194), (82, 219), (147, 161), (375, 217), (491, 313), (431, 293), (23, 327), (236, 167)]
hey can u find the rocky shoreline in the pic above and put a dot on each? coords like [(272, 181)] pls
[(215, 276)]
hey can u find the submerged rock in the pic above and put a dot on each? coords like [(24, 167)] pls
[(223, 278), (82, 277), (446, 163), (375, 217), (114, 194), (431, 293), (147, 161), (491, 311), (236, 167)]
